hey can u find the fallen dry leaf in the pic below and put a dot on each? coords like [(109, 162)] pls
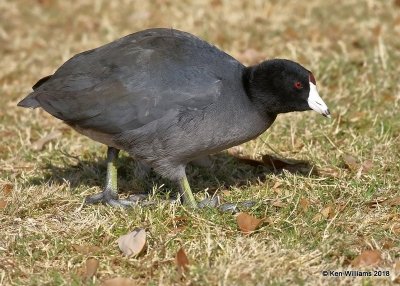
[(291, 165), (327, 212), (7, 189), (392, 202), (351, 163), (91, 268), (133, 243), (367, 166), (388, 244), (247, 223), (3, 204), (119, 281), (367, 258), (181, 260), (39, 144), (304, 204)]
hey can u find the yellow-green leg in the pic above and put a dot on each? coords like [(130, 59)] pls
[(112, 173), (186, 193), (110, 194)]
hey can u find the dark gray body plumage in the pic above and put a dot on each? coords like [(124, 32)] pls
[(163, 95)]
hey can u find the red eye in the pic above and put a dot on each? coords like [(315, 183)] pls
[(298, 85)]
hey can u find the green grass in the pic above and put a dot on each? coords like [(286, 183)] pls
[(353, 50)]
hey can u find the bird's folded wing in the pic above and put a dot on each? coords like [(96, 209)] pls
[(137, 79)]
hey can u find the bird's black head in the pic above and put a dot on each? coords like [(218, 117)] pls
[(280, 86)]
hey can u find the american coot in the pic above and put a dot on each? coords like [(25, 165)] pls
[(167, 98)]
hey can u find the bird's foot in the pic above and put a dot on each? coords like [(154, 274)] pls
[(110, 197)]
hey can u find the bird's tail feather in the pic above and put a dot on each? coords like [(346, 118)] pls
[(29, 101)]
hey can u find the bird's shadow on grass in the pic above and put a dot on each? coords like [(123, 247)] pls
[(226, 171)]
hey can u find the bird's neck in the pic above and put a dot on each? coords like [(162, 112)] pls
[(260, 99)]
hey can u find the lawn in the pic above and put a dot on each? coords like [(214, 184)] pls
[(338, 211)]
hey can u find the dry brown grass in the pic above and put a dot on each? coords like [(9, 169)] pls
[(352, 47)]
